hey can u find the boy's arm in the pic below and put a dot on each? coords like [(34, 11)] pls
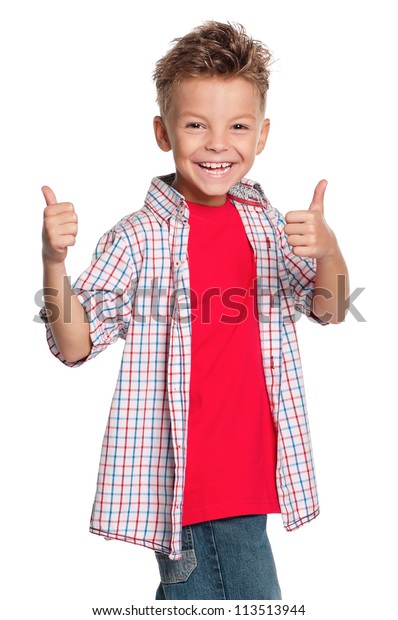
[(310, 236), (331, 288), (65, 314)]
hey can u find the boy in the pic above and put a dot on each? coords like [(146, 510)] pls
[(208, 431)]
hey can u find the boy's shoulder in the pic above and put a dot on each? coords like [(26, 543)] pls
[(131, 223), (251, 192), (157, 206)]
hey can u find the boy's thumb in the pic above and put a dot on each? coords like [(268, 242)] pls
[(49, 195)]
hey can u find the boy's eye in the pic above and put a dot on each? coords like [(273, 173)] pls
[(237, 126)]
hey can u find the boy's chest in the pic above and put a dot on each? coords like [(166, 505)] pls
[(219, 252), (166, 262)]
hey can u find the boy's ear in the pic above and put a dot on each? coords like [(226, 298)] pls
[(161, 134), (263, 135)]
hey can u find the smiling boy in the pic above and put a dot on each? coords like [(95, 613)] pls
[(215, 129), (208, 430)]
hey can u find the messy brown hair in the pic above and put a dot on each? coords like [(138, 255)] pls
[(212, 49)]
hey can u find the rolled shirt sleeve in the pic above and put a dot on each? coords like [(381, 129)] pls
[(105, 290)]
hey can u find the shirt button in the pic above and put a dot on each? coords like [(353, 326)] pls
[(259, 209), (177, 262)]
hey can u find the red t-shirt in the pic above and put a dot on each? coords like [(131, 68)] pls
[(231, 449)]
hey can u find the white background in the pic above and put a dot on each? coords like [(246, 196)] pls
[(76, 113)]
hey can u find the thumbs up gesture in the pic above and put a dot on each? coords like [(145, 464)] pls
[(307, 231), (59, 227)]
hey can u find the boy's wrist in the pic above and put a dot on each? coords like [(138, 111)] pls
[(50, 265), (332, 254)]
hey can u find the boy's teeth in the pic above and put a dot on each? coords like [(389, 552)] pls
[(209, 165)]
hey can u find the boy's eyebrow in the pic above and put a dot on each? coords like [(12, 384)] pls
[(198, 114)]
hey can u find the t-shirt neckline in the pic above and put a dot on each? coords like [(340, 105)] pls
[(203, 210)]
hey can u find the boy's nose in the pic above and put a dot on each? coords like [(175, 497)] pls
[(216, 142)]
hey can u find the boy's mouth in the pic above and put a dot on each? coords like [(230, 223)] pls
[(216, 168)]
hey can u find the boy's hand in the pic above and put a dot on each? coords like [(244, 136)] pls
[(307, 231), (59, 227)]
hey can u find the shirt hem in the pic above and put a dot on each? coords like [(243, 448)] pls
[(290, 527), (245, 509), (130, 539)]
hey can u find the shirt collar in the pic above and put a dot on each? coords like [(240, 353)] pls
[(167, 202)]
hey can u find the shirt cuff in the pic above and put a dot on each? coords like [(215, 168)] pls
[(96, 347), (304, 305)]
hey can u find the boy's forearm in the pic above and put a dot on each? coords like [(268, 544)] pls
[(66, 315), (332, 288)]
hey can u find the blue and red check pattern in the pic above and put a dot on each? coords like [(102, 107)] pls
[(137, 288)]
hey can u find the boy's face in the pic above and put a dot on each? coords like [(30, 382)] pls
[(212, 121)]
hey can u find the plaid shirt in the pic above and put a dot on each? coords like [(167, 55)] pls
[(138, 288)]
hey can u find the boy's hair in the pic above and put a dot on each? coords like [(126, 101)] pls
[(212, 49)]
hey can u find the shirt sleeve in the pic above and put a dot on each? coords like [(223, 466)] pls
[(301, 273), (106, 291)]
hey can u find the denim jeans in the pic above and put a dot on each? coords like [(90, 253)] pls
[(221, 559)]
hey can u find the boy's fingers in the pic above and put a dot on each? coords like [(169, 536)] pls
[(49, 195), (317, 203), (295, 217), (295, 229), (61, 213)]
